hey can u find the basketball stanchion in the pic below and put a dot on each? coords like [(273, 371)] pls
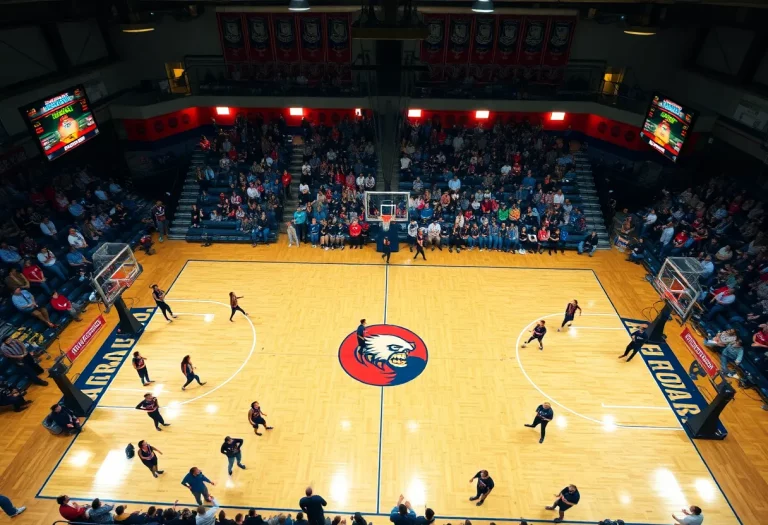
[(115, 270)]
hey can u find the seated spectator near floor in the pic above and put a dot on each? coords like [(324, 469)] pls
[(76, 209), (760, 339), (76, 239), (16, 279), (13, 397), (69, 423), (100, 194), (733, 353), (589, 244), (77, 259), (722, 339), (721, 300), (9, 254), (35, 276), (28, 247), (72, 511), (134, 518), (61, 303), (402, 513), (48, 228), (637, 250), (100, 512), (25, 302), (49, 263)]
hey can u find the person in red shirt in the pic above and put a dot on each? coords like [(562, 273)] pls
[(286, 179), (35, 276), (760, 339), (61, 303), (355, 235), (72, 511)]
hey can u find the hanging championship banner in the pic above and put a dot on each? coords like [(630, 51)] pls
[(508, 40), (433, 47), (338, 43), (259, 38), (532, 48), (286, 45), (459, 39), (482, 40), (233, 44), (311, 38), (558, 43)]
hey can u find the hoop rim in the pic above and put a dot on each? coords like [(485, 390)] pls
[(386, 217)]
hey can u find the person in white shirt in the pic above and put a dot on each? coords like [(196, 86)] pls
[(454, 184), (405, 163), (224, 163), (692, 516), (360, 181), (648, 221), (707, 267), (370, 182), (458, 143), (252, 191), (303, 188), (48, 261), (207, 516), (722, 301), (433, 235), (666, 236), (331, 155), (306, 169), (48, 228), (558, 198), (506, 168), (76, 239)]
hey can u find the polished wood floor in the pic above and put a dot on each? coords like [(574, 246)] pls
[(361, 446)]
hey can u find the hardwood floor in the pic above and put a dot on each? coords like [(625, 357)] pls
[(424, 438)]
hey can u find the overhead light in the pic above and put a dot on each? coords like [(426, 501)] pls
[(221, 110), (482, 6), (296, 112), (298, 5), (136, 28), (640, 31), (557, 115), (482, 114), (414, 113)]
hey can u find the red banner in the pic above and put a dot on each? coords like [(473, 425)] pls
[(86, 338), (433, 47), (311, 38), (482, 40), (260, 48), (232, 37), (459, 39), (339, 43), (285, 38), (559, 37), (532, 45), (507, 46), (701, 355)]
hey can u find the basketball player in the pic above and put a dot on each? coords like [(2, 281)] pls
[(636, 344), (188, 369), (152, 408), (567, 498), (255, 418), (141, 368), (231, 448), (386, 249), (484, 486), (544, 415), (570, 313), (361, 336), (233, 303), (538, 332), (149, 458), (420, 245), (159, 296)]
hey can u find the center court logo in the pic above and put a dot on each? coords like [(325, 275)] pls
[(392, 355)]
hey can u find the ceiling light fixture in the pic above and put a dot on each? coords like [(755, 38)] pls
[(482, 6), (136, 28), (640, 31), (298, 5)]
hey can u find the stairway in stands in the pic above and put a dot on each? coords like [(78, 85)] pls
[(182, 219), (591, 203)]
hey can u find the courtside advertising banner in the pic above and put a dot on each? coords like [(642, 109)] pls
[(86, 338), (701, 355)]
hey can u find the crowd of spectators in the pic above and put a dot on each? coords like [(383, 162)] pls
[(49, 229), (501, 188), (724, 228)]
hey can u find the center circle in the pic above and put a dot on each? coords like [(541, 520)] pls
[(391, 356)]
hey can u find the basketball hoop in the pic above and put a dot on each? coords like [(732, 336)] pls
[(386, 220)]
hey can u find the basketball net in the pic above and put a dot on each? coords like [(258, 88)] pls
[(386, 220)]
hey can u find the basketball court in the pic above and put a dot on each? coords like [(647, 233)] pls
[(360, 445)]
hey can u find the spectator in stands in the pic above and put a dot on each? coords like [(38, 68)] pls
[(76, 239), (649, 220), (9, 254), (20, 354), (67, 420), (35, 276), (61, 303), (101, 512), (734, 353), (71, 510), (589, 244), (25, 302), (691, 516), (207, 516), (134, 518), (402, 513), (158, 215), (77, 259), (16, 279), (721, 301), (48, 228), (76, 209)]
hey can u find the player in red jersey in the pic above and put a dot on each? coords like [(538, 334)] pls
[(570, 313)]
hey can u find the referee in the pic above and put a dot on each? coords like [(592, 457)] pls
[(636, 344), (159, 296), (544, 415)]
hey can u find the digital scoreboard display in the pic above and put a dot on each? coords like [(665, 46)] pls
[(667, 126), (61, 122)]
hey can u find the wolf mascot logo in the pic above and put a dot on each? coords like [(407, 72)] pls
[(392, 355)]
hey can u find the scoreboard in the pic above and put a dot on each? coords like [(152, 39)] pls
[(61, 122), (667, 126)]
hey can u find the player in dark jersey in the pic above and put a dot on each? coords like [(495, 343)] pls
[(148, 457), (255, 418), (544, 414), (538, 332), (361, 335), (159, 296), (570, 313), (141, 368), (152, 408), (484, 486), (235, 307)]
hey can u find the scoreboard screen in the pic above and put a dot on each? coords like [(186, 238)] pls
[(667, 126), (61, 122)]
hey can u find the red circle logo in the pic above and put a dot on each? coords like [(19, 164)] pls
[(391, 356)]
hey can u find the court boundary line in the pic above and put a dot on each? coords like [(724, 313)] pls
[(381, 398), (347, 512), (695, 446), (555, 401)]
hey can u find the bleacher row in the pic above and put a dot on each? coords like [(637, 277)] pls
[(30, 330)]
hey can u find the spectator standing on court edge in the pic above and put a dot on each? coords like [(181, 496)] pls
[(313, 505), (8, 507), (195, 481), (567, 498), (158, 214), (207, 516), (692, 516)]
